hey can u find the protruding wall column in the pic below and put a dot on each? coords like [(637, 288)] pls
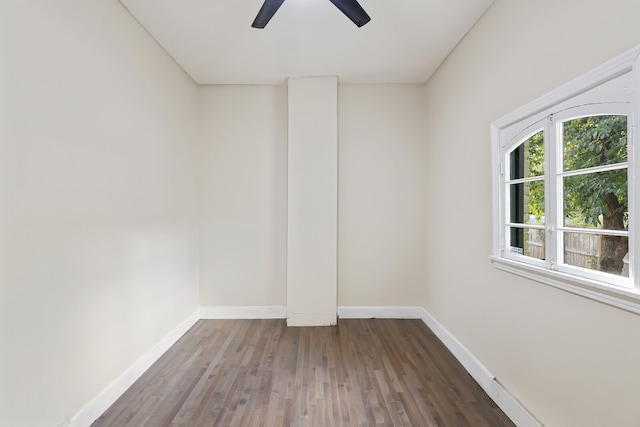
[(312, 242)]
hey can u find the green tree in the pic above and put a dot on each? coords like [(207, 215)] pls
[(598, 199), (536, 167)]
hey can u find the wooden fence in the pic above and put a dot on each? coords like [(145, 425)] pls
[(581, 250)]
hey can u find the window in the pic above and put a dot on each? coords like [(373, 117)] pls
[(564, 183)]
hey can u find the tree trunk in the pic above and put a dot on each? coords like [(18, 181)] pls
[(614, 248)]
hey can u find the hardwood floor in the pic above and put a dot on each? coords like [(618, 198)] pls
[(374, 372)]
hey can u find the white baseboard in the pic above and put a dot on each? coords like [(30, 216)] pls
[(249, 312), (380, 312), (91, 411), (476, 369), (511, 406)]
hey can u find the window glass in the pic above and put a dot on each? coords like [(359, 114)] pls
[(597, 200), (526, 197), (597, 252), (527, 242), (527, 159), (594, 141), (527, 203)]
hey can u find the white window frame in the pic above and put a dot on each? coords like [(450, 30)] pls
[(615, 84)]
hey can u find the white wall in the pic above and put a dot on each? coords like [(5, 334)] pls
[(312, 215), (98, 254), (570, 360), (382, 199), (243, 195)]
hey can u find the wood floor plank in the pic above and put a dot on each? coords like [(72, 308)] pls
[(371, 372)]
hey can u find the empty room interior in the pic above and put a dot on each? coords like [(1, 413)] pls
[(163, 165)]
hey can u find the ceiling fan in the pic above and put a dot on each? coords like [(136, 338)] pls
[(351, 8)]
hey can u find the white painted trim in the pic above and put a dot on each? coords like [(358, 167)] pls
[(363, 312), (92, 410), (511, 406), (634, 186), (245, 312), (312, 319), (617, 66), (625, 299), (464, 356)]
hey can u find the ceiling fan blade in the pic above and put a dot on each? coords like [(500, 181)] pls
[(268, 9), (353, 10)]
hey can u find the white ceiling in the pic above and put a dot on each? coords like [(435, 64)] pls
[(213, 41)]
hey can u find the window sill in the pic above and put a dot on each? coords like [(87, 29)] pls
[(617, 297)]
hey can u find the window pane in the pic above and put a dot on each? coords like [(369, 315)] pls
[(527, 242), (527, 159), (594, 141), (599, 252), (527, 203), (597, 200)]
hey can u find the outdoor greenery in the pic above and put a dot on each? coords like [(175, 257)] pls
[(598, 199), (536, 168), (591, 199)]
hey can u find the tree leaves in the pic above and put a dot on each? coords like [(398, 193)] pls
[(589, 142)]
